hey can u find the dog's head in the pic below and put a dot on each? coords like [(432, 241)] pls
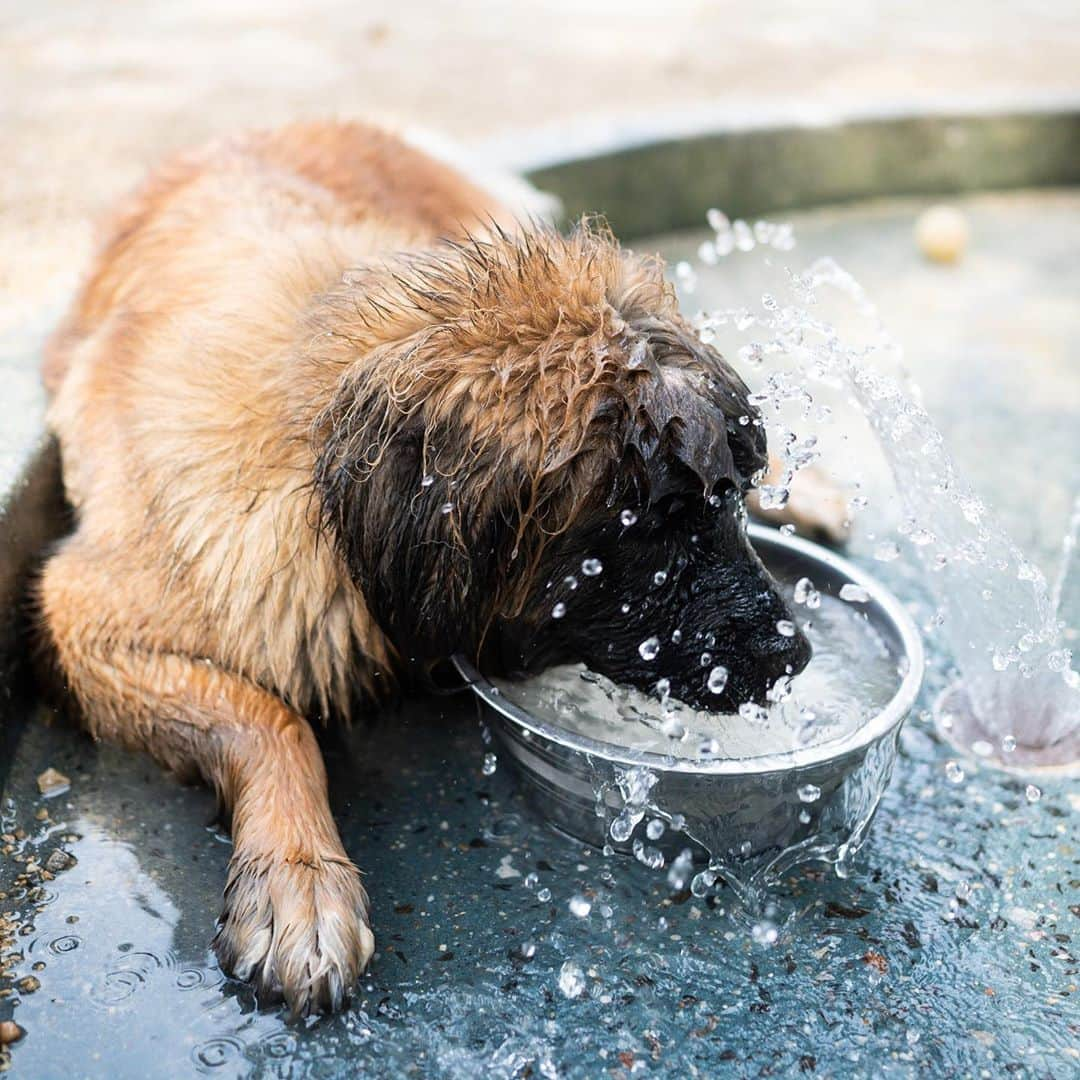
[(532, 459)]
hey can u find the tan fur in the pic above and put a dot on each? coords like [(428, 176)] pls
[(199, 611)]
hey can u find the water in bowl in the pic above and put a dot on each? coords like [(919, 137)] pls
[(850, 679)]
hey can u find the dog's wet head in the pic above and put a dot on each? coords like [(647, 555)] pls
[(538, 462), (670, 597)]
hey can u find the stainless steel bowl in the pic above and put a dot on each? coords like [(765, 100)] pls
[(744, 814)]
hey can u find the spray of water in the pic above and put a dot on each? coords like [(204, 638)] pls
[(1008, 631)]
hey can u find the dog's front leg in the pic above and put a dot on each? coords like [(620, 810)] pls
[(295, 918), (295, 914)]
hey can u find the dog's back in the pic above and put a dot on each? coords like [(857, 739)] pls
[(203, 215), (180, 411)]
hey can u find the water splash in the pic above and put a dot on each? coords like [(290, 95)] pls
[(1008, 631)]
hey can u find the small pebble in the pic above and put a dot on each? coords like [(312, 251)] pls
[(51, 782), (10, 1032), (60, 860)]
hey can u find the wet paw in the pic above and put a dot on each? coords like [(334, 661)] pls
[(297, 930)]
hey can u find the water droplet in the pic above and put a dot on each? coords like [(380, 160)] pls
[(804, 816), (702, 882), (1008, 743), (744, 237), (427, 480), (655, 829), (543, 895), (709, 748), (491, 763), (676, 635), (628, 518), (804, 590), (1032, 793), (753, 713), (685, 276), (809, 793), (622, 827), (954, 772), (672, 727), (765, 933), (446, 508), (772, 497), (639, 350), (648, 856), (718, 679), (592, 567), (718, 220), (570, 582), (558, 611), (579, 906), (854, 594), (886, 551), (1058, 660), (659, 577), (680, 870), (785, 628), (571, 980), (649, 648)]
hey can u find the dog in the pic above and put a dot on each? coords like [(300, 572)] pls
[(328, 414)]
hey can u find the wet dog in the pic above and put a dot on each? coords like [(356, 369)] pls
[(329, 415)]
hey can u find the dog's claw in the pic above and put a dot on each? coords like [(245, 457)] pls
[(297, 930)]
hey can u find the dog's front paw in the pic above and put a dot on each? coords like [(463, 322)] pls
[(296, 929)]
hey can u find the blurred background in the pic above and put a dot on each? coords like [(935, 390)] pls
[(92, 93)]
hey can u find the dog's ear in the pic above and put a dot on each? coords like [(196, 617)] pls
[(405, 521), (693, 415), (442, 528)]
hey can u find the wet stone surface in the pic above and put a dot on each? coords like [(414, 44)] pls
[(950, 950)]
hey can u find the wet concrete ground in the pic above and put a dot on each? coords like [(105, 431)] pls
[(951, 950)]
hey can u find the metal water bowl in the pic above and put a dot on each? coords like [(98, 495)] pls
[(746, 813)]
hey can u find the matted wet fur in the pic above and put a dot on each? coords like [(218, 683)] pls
[(328, 414)]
